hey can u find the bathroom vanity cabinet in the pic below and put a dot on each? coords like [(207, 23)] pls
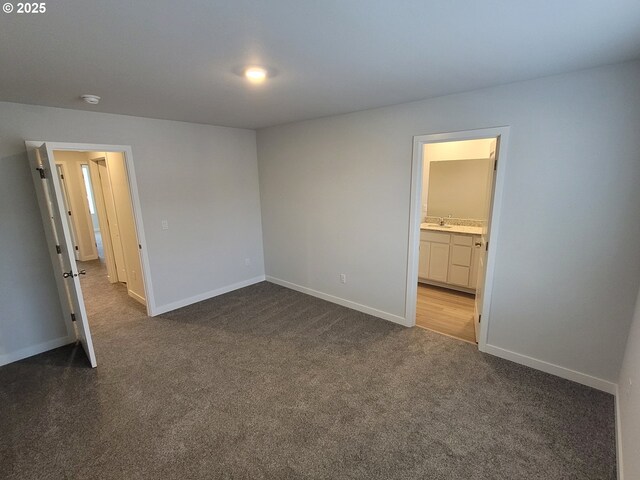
[(449, 259)]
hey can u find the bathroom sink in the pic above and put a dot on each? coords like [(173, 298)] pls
[(438, 225)]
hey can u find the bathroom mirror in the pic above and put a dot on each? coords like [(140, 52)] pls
[(458, 188)]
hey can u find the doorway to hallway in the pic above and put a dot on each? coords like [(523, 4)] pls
[(82, 191), (108, 304)]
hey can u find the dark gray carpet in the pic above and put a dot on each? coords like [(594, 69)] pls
[(268, 383)]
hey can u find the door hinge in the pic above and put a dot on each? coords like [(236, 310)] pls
[(495, 164), (58, 249), (69, 212), (479, 318), (139, 246), (41, 170), (62, 176), (73, 317), (486, 246), (76, 247)]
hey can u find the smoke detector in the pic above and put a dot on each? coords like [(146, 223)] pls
[(90, 99)]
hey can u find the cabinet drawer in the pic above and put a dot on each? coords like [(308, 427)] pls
[(463, 240), (435, 237), (461, 255), (459, 275)]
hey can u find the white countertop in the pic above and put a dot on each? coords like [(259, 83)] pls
[(452, 228)]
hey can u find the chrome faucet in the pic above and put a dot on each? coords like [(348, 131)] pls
[(442, 221)]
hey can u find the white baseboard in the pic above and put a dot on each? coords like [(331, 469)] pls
[(137, 298), (32, 350), (619, 461), (582, 378), (205, 296), (447, 285), (340, 301)]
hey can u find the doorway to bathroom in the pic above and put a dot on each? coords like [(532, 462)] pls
[(455, 207)]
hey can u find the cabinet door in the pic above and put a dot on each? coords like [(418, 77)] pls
[(461, 255), (459, 275), (423, 264), (438, 262)]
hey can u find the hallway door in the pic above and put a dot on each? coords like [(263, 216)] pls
[(112, 220), (59, 242)]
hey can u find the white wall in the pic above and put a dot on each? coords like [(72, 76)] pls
[(458, 188), (30, 314), (629, 402), (460, 150), (335, 196), (202, 179)]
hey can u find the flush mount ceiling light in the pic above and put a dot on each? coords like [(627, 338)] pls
[(90, 99), (255, 74)]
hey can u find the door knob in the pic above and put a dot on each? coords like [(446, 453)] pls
[(478, 244), (71, 274)]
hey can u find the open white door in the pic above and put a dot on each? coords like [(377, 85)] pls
[(58, 233), (486, 230), (67, 207)]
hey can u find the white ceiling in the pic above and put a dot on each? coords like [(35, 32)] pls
[(176, 60)]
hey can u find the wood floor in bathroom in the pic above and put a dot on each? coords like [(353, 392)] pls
[(446, 311)]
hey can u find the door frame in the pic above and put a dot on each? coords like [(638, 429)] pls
[(135, 201), (419, 141)]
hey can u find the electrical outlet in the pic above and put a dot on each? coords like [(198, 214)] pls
[(343, 278), (165, 225), (247, 262)]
